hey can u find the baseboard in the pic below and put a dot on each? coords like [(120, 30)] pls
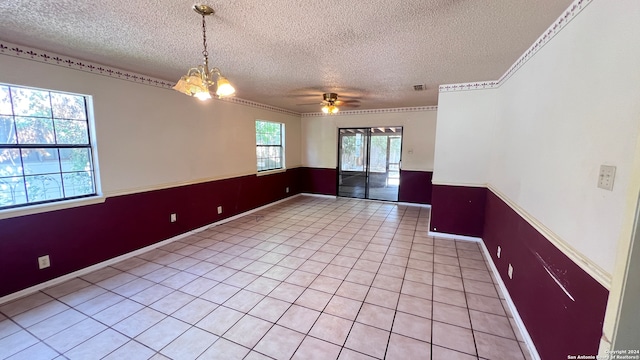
[(454, 236), (512, 307), (428, 206), (128, 255), (320, 195)]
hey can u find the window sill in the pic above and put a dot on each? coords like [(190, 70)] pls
[(42, 208), (269, 172)]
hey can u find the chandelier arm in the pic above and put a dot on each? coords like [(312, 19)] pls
[(195, 71), (214, 72)]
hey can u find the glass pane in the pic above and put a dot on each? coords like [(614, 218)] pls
[(28, 102), (12, 191), (75, 160), (378, 159), (68, 106), (10, 164), (44, 187), (35, 131), (394, 150), (5, 101), (352, 153), (78, 183), (7, 130), (268, 133), (71, 132), (11, 182), (40, 161), (269, 157)]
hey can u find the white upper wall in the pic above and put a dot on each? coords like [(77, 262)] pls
[(570, 108), (150, 137), (466, 121), (320, 136)]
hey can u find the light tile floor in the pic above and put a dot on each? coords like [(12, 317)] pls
[(309, 278)]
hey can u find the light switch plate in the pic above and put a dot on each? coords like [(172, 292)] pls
[(606, 177)]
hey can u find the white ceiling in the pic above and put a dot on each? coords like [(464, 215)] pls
[(284, 53)]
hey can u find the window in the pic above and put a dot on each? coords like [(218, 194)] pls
[(45, 147), (269, 145)]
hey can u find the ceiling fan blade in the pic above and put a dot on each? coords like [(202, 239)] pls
[(350, 105), (313, 103), (347, 102)]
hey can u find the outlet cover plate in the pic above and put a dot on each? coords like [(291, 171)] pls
[(606, 177), (219, 209), (510, 271), (44, 262), (174, 217)]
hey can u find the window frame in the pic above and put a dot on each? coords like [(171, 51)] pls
[(281, 146), (65, 201)]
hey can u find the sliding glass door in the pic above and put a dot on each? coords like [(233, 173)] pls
[(369, 162)]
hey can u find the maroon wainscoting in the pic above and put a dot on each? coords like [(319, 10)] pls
[(319, 181), (415, 186), (458, 209), (558, 325), (83, 236)]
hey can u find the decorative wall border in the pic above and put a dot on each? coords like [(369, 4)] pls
[(374, 111), (28, 53), (572, 11), (469, 86)]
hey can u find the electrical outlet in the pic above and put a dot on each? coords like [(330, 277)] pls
[(286, 190), (43, 262), (606, 177), (499, 251), (510, 272), (219, 209), (174, 217)]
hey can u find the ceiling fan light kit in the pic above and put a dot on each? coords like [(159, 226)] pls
[(199, 81), (330, 103)]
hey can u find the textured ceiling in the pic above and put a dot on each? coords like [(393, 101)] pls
[(284, 53)]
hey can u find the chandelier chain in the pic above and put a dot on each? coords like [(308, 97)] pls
[(205, 53)]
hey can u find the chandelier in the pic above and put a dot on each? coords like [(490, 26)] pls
[(200, 80)]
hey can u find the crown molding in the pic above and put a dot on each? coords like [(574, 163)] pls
[(254, 104), (572, 11), (373, 111), (33, 54)]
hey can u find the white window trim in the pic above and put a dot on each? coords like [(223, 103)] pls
[(98, 198), (51, 206)]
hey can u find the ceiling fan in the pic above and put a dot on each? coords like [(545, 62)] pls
[(330, 103)]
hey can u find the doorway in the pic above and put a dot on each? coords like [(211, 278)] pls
[(369, 162)]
